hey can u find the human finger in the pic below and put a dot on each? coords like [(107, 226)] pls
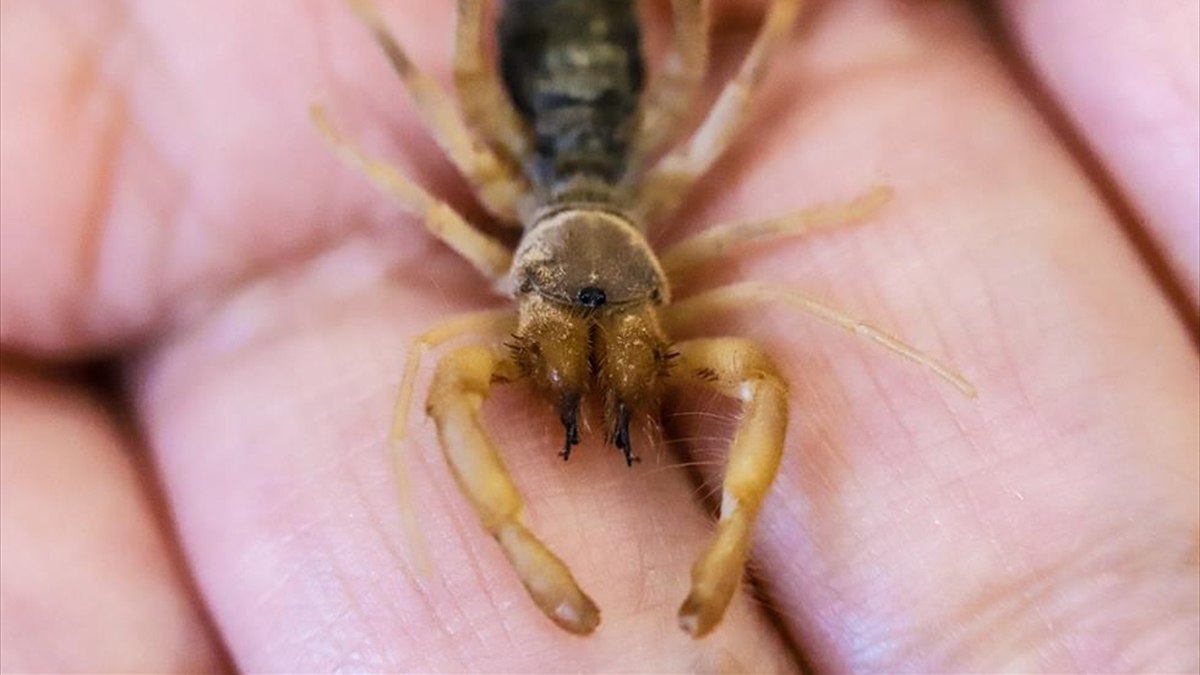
[(1127, 75), (91, 581)]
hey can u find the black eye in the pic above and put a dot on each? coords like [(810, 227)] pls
[(655, 296), (591, 296), (526, 285)]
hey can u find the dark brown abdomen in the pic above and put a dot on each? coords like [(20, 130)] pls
[(574, 71)]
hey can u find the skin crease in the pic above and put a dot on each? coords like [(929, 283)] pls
[(76, 521), (167, 205)]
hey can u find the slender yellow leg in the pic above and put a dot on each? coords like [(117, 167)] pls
[(667, 183), (720, 241), (677, 317), (484, 101), (498, 183), (738, 369), (460, 385), (671, 96), (486, 254), (489, 321)]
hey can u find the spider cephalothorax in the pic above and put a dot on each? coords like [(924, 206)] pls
[(589, 287)]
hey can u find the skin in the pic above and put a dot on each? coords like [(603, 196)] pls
[(168, 209)]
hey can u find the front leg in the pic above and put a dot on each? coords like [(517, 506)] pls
[(460, 385), (738, 369)]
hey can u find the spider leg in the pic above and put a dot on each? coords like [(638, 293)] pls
[(678, 316), (719, 241), (486, 254), (460, 385), (481, 95), (475, 322), (498, 183), (487, 321), (670, 97), (738, 369), (666, 185)]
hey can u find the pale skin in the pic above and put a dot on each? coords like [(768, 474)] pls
[(909, 528)]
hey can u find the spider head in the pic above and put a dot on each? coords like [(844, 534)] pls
[(589, 287)]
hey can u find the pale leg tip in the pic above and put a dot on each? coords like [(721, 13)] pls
[(696, 619), (548, 581), (580, 615)]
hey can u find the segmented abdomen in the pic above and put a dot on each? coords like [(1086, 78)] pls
[(574, 71)]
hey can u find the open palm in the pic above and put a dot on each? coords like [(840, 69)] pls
[(168, 209)]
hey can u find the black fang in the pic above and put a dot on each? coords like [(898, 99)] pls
[(568, 413), (620, 435)]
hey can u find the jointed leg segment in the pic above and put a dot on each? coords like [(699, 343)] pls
[(498, 183), (485, 104), (460, 385), (738, 369), (666, 185), (717, 242), (670, 97), (679, 315), (475, 322), (487, 255), (488, 321)]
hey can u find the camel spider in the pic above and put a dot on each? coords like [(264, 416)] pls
[(561, 141)]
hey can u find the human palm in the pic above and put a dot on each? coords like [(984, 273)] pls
[(169, 211)]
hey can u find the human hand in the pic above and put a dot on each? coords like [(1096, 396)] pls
[(168, 209)]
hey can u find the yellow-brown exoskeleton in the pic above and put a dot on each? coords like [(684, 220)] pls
[(589, 287), (564, 140)]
